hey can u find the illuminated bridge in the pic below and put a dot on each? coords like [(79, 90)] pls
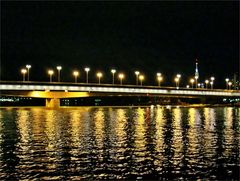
[(53, 92)]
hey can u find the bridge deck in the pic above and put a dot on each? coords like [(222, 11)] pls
[(108, 88)]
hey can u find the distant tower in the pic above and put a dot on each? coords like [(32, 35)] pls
[(196, 73), (196, 70)]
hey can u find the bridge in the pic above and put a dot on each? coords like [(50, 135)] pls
[(54, 91)]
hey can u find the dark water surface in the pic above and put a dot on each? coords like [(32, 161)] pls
[(120, 143)]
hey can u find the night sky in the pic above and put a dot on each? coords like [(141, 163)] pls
[(150, 37)]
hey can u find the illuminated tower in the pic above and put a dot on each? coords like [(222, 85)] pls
[(196, 73)]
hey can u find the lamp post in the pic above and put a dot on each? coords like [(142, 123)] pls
[(23, 71), (28, 68), (141, 78), (99, 75), (227, 80), (113, 72), (59, 68), (192, 82), (159, 80), (137, 73), (121, 77), (87, 69), (206, 82), (50, 72), (177, 82), (212, 80), (230, 85), (75, 74)]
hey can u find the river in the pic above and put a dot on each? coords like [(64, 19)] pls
[(93, 143)]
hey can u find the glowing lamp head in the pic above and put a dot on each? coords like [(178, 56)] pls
[(196, 77), (50, 72), (23, 71), (187, 86), (121, 76), (227, 79), (137, 73), (206, 81), (179, 76), (28, 66), (229, 83), (141, 77), (159, 74), (75, 73), (212, 78), (99, 74), (192, 80), (176, 79), (160, 78), (113, 71), (59, 68), (87, 69)]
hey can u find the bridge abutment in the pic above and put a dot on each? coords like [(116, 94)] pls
[(52, 102)]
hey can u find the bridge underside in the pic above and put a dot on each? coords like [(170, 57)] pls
[(53, 97)]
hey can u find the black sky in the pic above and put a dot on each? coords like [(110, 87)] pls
[(148, 36)]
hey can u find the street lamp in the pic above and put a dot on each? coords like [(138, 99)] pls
[(137, 73), (75, 74), (227, 80), (159, 78), (23, 71), (212, 80), (187, 86), (28, 67), (59, 68), (177, 81), (121, 77), (113, 72), (99, 75), (211, 83), (87, 69), (230, 85), (192, 81), (206, 82), (50, 72), (141, 78)]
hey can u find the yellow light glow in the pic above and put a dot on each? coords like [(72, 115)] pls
[(99, 74), (192, 81), (75, 73), (141, 77), (160, 78), (50, 72), (23, 71), (121, 76)]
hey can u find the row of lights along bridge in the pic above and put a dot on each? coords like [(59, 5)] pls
[(121, 76)]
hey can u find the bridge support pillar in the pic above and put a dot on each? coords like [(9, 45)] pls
[(53, 102)]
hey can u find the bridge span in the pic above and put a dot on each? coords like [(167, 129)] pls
[(53, 92)]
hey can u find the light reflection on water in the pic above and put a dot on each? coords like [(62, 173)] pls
[(119, 143)]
